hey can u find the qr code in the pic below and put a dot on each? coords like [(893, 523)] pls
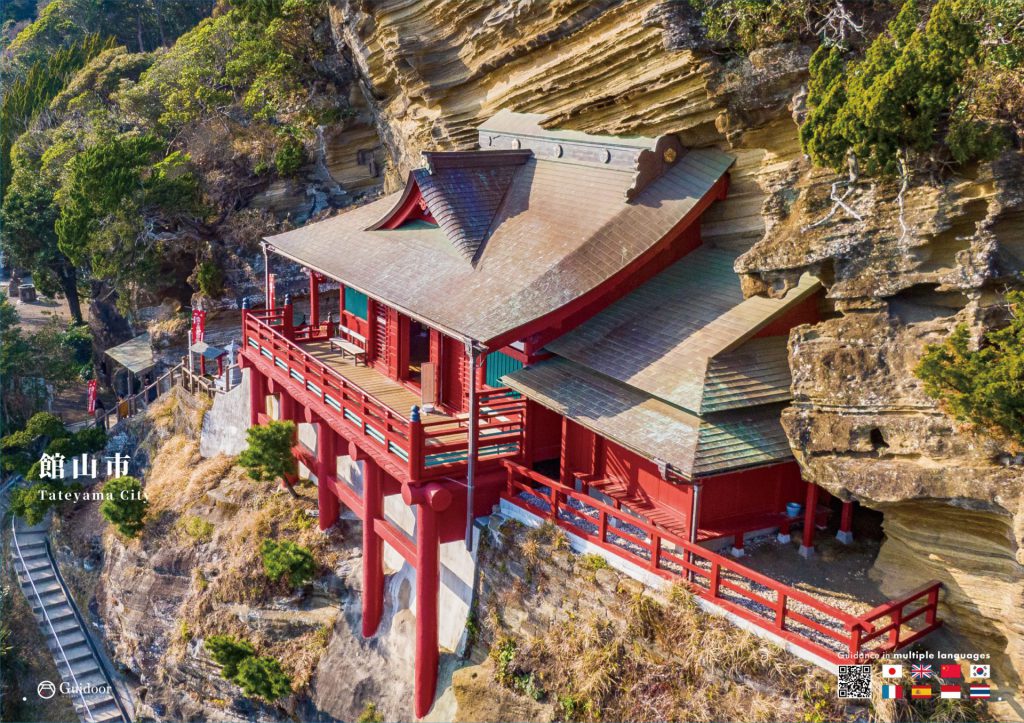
[(854, 681)]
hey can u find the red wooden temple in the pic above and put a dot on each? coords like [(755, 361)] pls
[(538, 323)]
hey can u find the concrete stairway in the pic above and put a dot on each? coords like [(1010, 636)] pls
[(90, 689)]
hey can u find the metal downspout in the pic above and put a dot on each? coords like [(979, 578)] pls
[(473, 353), (266, 276), (693, 527)]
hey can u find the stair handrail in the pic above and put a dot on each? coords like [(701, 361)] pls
[(114, 693), (49, 623)]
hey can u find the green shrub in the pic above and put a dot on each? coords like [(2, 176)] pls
[(592, 563), (983, 386), (289, 157), (32, 503), (263, 678), (210, 279), (750, 24), (78, 341), (370, 714), (269, 454), (228, 652), (89, 440), (124, 505), (45, 424), (286, 559), (197, 528)]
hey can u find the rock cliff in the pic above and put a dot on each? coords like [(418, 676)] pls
[(860, 425)]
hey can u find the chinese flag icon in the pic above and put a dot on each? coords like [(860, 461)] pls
[(950, 670)]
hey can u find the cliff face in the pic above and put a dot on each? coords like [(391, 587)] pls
[(860, 425)]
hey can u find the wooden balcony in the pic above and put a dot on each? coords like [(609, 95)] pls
[(375, 411)]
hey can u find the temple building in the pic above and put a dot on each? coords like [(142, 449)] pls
[(537, 326)]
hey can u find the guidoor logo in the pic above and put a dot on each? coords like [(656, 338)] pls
[(46, 690)]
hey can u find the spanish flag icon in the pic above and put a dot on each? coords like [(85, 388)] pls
[(920, 691)]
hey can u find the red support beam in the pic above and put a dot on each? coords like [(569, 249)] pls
[(810, 512), (845, 533), (373, 548), (314, 299), (428, 575), (326, 473), (257, 394)]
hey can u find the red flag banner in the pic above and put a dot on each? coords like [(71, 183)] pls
[(92, 396), (270, 290), (198, 325)]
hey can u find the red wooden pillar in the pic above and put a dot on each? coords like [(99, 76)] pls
[(326, 474), (257, 395), (287, 412), (427, 583), (810, 513), (845, 533), (314, 299), (373, 549)]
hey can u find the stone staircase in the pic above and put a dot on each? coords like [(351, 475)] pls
[(91, 689)]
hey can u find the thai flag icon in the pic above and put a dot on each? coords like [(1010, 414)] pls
[(891, 692), (921, 672), (980, 691)]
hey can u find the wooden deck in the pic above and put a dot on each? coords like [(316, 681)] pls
[(389, 392)]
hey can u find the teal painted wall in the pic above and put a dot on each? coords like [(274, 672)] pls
[(498, 365), (355, 302)]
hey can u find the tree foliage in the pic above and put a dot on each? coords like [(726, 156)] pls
[(905, 95), (260, 677), (228, 651), (32, 503), (263, 678), (124, 505), (268, 456), (28, 362), (984, 386), (287, 560), (28, 95)]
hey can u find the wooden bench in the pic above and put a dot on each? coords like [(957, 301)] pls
[(347, 347), (655, 514)]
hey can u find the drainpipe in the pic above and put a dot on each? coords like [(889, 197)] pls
[(266, 276), (693, 526), (473, 353)]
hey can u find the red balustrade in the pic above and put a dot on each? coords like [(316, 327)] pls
[(798, 617), (422, 450)]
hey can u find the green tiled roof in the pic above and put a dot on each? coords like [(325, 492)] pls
[(692, 446), (662, 337)]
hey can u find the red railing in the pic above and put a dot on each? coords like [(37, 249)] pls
[(424, 450), (794, 615), (336, 398)]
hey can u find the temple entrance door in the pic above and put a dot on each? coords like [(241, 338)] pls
[(453, 374), (419, 350)]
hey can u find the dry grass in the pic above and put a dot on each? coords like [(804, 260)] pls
[(642, 657), (218, 517)]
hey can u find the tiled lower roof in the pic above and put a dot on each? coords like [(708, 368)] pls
[(756, 373), (661, 337), (692, 446)]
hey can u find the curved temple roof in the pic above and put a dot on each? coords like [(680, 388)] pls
[(521, 234)]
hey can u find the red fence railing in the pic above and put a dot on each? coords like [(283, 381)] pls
[(425, 449), (796, 616)]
